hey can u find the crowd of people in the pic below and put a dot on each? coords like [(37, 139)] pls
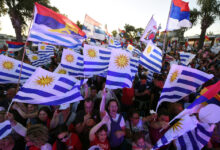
[(121, 119)]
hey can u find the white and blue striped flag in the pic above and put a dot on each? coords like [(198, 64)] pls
[(114, 44), (195, 139), (119, 71), (151, 58), (186, 58), (73, 63), (60, 70), (47, 88), (28, 52), (5, 129), (10, 70), (181, 127), (96, 60), (180, 82), (46, 49), (77, 48), (134, 63), (150, 76), (39, 60)]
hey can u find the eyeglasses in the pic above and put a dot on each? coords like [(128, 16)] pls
[(63, 137)]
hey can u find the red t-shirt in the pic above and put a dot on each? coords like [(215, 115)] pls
[(104, 145), (127, 96), (73, 143)]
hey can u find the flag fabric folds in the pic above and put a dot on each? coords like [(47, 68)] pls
[(96, 60), (151, 58), (39, 60), (114, 44), (46, 49), (150, 31), (195, 139), (180, 82), (186, 58), (61, 70), (179, 15), (5, 129), (14, 46), (181, 127), (134, 63), (47, 88), (10, 70), (51, 27), (72, 62), (119, 72)]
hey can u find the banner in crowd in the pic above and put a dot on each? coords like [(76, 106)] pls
[(186, 58), (14, 46), (5, 129)]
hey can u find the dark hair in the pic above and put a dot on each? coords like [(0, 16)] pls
[(59, 129), (137, 136), (133, 112), (103, 127), (47, 110), (112, 100), (163, 111), (88, 100)]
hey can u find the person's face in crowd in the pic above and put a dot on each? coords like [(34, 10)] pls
[(28, 142), (102, 135), (93, 93), (11, 93), (7, 142), (141, 143), (30, 108), (113, 108), (88, 107), (135, 119), (143, 81), (164, 118), (2, 117), (43, 116), (63, 137)]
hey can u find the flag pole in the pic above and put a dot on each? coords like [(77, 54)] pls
[(165, 36)]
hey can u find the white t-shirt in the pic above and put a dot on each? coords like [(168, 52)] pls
[(46, 146)]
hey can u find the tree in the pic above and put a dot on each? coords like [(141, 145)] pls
[(208, 13), (114, 33), (20, 11), (129, 31), (79, 24)]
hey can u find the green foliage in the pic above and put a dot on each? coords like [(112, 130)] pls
[(79, 24), (114, 33)]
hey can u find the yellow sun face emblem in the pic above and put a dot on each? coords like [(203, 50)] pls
[(69, 58), (111, 41), (149, 49), (42, 47), (174, 76), (130, 48), (121, 61), (62, 71), (34, 57), (44, 80), (91, 53), (177, 125), (8, 65)]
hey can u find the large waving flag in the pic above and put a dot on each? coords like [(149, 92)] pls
[(47, 88), (39, 60), (46, 49), (179, 15), (150, 31), (119, 72), (10, 70), (51, 27), (181, 127), (151, 58), (186, 58), (14, 46), (96, 59), (180, 82), (195, 139), (5, 129), (73, 63)]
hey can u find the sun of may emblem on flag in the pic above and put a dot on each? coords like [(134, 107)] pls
[(34, 57), (149, 49), (8, 65), (44, 81), (112, 41), (42, 47), (121, 61), (130, 48), (91, 53), (62, 71), (174, 76), (177, 125), (69, 58)]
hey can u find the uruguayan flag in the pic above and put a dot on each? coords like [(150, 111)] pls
[(5, 129), (28, 52), (46, 49), (10, 70), (114, 44), (47, 88), (73, 63), (60, 70), (180, 82), (195, 139), (77, 48), (151, 58), (150, 76), (181, 127), (186, 58), (96, 60), (119, 71), (39, 60), (134, 63)]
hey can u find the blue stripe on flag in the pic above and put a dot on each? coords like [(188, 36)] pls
[(67, 81), (80, 58), (120, 84), (96, 63), (22, 97), (23, 73), (156, 58), (186, 56), (37, 92), (193, 141), (72, 68), (187, 82), (104, 52), (194, 75), (157, 52), (119, 75), (147, 66), (151, 62), (26, 68), (176, 88), (79, 64), (164, 140), (170, 97), (204, 131), (200, 139), (11, 76), (104, 58), (60, 88), (182, 143), (4, 129)]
